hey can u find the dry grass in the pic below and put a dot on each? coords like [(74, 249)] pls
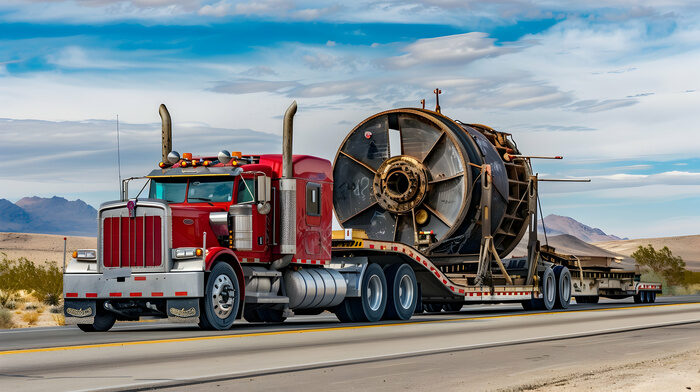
[(6, 320), (59, 319), (30, 317)]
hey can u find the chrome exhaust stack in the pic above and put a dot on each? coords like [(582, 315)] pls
[(167, 132), (288, 187)]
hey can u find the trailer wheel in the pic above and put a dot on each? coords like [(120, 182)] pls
[(221, 298), (652, 297), (549, 291), (563, 277), (403, 292), (104, 321), (373, 292)]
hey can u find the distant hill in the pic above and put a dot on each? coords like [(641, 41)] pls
[(687, 247), (54, 215), (557, 224)]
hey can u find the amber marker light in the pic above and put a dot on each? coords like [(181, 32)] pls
[(187, 155), (198, 252), (75, 254)]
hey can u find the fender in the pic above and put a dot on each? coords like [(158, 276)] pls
[(226, 255)]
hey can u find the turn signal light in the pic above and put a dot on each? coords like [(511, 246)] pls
[(198, 252), (75, 254), (187, 155), (183, 164)]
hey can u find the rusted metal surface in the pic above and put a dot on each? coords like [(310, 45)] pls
[(414, 176)]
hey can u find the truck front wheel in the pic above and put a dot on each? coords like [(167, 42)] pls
[(219, 306)]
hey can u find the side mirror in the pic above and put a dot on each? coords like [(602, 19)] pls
[(263, 186)]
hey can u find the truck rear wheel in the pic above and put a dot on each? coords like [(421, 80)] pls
[(104, 321), (563, 277), (221, 298), (403, 292)]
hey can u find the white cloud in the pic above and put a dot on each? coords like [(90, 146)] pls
[(449, 50)]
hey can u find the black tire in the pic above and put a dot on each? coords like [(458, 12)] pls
[(645, 297), (344, 312), (251, 315), (272, 315), (527, 305), (222, 298), (652, 297), (104, 321), (373, 292), (402, 288), (638, 298), (453, 306), (432, 308), (548, 291), (563, 277)]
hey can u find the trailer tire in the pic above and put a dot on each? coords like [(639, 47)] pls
[(373, 292), (652, 297), (563, 277), (104, 321), (638, 298), (549, 291), (402, 288), (221, 301)]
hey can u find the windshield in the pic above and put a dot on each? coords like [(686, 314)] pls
[(170, 190), (202, 190)]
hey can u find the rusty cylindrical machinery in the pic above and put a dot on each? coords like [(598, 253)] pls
[(415, 176)]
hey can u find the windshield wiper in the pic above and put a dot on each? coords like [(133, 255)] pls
[(202, 199)]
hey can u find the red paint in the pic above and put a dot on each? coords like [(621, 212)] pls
[(115, 294), (371, 246), (181, 293), (134, 294), (91, 295), (131, 243), (71, 295), (157, 294), (139, 278)]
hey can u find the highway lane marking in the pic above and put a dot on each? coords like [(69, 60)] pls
[(300, 331)]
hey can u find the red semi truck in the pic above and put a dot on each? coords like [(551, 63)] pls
[(232, 235)]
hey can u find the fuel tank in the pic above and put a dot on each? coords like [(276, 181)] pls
[(415, 176)]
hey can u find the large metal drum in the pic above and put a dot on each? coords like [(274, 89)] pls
[(403, 173)]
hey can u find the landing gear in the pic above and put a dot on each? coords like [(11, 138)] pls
[(373, 298), (221, 298)]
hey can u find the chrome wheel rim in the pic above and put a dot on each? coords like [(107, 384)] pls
[(406, 291), (566, 288), (551, 291), (374, 292), (223, 296)]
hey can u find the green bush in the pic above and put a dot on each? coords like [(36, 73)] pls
[(6, 319), (44, 281), (663, 263)]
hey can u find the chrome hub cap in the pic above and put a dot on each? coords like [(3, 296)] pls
[(374, 293), (223, 296), (406, 292)]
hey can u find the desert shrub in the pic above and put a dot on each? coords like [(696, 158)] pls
[(59, 319), (56, 309), (6, 319), (663, 263), (30, 307), (44, 281), (53, 299), (12, 305), (30, 317), (5, 297)]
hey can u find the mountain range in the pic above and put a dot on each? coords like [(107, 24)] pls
[(557, 225), (54, 215)]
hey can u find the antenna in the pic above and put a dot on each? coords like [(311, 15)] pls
[(119, 160)]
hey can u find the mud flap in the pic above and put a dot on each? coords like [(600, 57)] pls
[(79, 311), (183, 310)]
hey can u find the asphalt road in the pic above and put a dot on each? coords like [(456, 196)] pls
[(485, 347)]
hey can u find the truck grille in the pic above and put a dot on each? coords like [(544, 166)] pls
[(133, 242)]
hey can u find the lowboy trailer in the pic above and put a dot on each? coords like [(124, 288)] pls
[(427, 222)]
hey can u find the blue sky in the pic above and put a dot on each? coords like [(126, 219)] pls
[(611, 85)]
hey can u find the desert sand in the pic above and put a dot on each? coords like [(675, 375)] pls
[(42, 248)]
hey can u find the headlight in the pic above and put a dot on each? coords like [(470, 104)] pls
[(188, 253), (85, 254)]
